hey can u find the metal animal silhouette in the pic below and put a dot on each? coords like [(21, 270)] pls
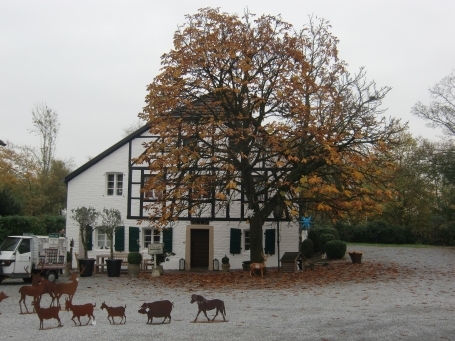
[(204, 305), (157, 309)]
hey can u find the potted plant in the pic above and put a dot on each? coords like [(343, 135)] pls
[(86, 218), (356, 256), (111, 218), (134, 262), (225, 263)]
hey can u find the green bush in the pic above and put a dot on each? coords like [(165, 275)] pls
[(42, 225), (335, 249), (314, 234), (134, 258), (323, 239), (307, 247)]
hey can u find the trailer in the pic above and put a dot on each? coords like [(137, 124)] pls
[(22, 256)]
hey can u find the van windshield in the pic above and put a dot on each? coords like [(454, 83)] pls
[(9, 244)]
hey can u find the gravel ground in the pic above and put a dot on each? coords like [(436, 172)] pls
[(416, 304)]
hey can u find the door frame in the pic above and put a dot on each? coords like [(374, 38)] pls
[(188, 244)]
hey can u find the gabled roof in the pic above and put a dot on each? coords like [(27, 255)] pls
[(107, 152)]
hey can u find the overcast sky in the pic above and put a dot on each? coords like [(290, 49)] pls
[(91, 60)]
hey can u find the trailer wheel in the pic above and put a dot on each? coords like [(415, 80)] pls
[(51, 276)]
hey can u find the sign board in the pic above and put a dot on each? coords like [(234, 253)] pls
[(155, 248), (53, 240)]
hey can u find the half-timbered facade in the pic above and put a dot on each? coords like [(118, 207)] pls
[(112, 180)]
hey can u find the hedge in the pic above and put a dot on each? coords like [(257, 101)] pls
[(41, 225)]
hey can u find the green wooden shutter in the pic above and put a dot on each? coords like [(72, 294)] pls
[(236, 241), (89, 238), (133, 237), (269, 242), (119, 238), (167, 239)]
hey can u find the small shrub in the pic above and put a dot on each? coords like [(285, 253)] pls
[(225, 260), (323, 239), (314, 234), (335, 249), (134, 258), (307, 247)]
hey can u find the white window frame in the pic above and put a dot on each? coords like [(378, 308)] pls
[(114, 183), (150, 235), (105, 240), (246, 240)]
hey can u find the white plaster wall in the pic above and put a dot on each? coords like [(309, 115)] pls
[(89, 189)]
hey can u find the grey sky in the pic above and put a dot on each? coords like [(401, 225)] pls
[(91, 60)]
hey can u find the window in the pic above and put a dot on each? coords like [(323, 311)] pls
[(151, 236), (114, 184), (151, 193), (246, 236), (24, 247), (259, 186), (103, 241)]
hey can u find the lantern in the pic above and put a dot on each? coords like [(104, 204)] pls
[(216, 264)]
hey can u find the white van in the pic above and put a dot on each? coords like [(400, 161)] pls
[(22, 256)]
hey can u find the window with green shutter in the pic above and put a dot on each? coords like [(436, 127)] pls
[(236, 241), (133, 238), (269, 247), (167, 239), (120, 238)]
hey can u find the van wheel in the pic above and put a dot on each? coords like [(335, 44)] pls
[(51, 276), (1, 279)]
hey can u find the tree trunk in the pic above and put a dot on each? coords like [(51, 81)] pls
[(256, 247)]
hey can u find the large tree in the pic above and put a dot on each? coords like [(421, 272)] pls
[(247, 107), (441, 111)]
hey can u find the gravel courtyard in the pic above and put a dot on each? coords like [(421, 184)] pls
[(397, 293)]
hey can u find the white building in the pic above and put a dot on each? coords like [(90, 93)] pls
[(111, 180)]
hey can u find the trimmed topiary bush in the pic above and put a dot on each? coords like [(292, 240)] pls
[(307, 247), (323, 239), (314, 234), (134, 258), (335, 249)]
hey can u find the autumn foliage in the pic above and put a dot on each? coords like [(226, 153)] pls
[(250, 110)]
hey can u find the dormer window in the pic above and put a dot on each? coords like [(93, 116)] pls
[(114, 184)]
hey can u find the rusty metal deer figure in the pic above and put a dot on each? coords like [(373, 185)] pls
[(35, 290), (67, 288), (204, 305), (259, 266)]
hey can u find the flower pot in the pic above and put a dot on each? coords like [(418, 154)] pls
[(225, 267), (356, 257), (133, 270), (246, 265), (86, 265), (113, 267)]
